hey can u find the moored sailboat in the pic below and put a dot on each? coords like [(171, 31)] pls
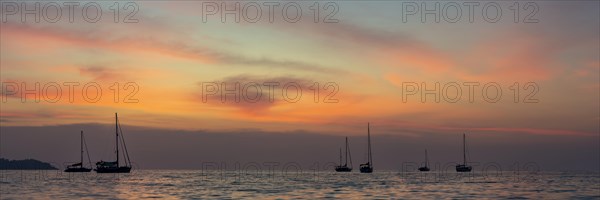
[(368, 167), (464, 167), (78, 167), (426, 167), (113, 167), (345, 167)]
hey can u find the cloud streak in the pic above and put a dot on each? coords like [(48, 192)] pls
[(140, 44)]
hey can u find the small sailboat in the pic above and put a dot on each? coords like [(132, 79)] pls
[(345, 167), (78, 167), (368, 167), (426, 167), (113, 167), (464, 167)]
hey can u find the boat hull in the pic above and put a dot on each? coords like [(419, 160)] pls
[(113, 170), (463, 168), (342, 169), (424, 169), (82, 169), (366, 169)]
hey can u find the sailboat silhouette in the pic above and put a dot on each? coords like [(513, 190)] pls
[(345, 167), (464, 167), (78, 167), (113, 167), (368, 167), (426, 167)]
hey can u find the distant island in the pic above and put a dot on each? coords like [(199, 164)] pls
[(27, 164)]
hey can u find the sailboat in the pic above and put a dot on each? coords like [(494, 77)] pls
[(426, 167), (464, 167), (368, 167), (78, 167), (345, 168), (113, 167)]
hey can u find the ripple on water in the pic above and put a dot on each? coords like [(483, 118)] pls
[(193, 185)]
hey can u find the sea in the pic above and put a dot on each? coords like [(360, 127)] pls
[(274, 184)]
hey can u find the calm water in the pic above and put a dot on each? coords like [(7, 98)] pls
[(186, 184)]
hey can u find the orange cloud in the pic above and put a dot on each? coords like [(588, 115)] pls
[(278, 109)]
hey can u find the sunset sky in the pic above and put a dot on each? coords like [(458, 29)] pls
[(369, 53)]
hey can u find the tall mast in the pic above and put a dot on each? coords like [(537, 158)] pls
[(81, 145), (369, 140), (117, 136), (340, 156), (346, 151), (464, 150), (86, 151), (426, 160), (349, 154)]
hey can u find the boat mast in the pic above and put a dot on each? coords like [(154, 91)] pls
[(346, 151), (126, 154), (464, 150), (369, 141), (81, 145), (340, 156), (86, 151), (426, 160), (117, 136)]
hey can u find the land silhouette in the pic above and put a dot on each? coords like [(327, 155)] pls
[(27, 164)]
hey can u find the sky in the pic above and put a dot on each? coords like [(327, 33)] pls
[(162, 65)]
